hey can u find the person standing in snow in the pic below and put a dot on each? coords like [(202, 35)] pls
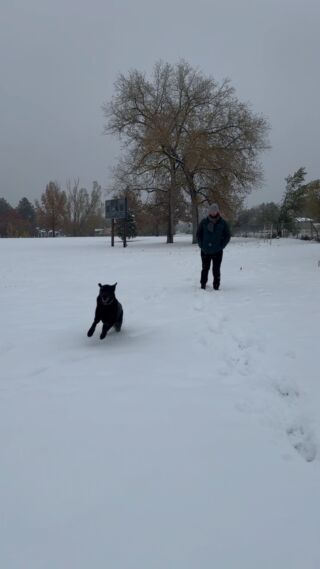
[(213, 235)]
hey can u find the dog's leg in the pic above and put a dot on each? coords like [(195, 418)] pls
[(97, 318), (105, 328), (92, 328), (104, 331), (119, 321)]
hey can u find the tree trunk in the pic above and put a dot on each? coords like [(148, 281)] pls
[(194, 204), (195, 220), (171, 199), (170, 217)]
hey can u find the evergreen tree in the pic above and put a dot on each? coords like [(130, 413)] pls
[(312, 200), (26, 210), (126, 227), (5, 207), (5, 211), (292, 203)]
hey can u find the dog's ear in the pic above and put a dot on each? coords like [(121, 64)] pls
[(100, 285), (114, 286)]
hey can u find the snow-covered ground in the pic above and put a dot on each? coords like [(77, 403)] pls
[(191, 440)]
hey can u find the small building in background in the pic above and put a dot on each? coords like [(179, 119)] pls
[(307, 228)]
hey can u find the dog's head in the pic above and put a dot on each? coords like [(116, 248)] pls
[(107, 293)]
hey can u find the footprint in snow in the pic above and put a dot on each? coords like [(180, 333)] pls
[(303, 442), (287, 389)]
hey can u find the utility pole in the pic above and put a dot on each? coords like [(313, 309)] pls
[(112, 232), (125, 222)]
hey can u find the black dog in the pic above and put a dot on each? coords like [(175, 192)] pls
[(109, 311)]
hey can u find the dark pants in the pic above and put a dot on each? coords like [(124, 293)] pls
[(216, 259)]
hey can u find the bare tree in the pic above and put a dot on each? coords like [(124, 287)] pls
[(84, 209), (77, 203), (95, 216), (51, 210)]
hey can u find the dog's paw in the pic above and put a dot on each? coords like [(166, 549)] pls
[(90, 333)]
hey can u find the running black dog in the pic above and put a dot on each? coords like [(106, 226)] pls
[(109, 311)]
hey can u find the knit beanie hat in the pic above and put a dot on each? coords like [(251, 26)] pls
[(213, 209)]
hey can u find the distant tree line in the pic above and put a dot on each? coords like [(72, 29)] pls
[(19, 221), (78, 212), (74, 211), (300, 202)]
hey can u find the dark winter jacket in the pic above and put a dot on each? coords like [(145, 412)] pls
[(213, 236)]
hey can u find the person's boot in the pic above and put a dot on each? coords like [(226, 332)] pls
[(216, 286)]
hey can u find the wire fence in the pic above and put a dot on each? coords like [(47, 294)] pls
[(305, 229)]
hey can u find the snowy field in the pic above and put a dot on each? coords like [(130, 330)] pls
[(191, 440)]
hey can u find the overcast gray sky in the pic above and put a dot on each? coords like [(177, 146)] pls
[(59, 60)]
